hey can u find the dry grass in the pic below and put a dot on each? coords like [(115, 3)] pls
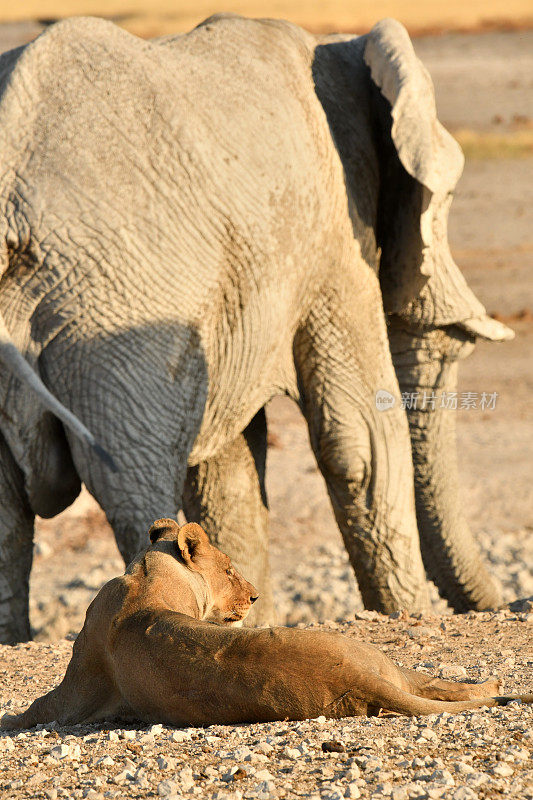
[(164, 16), (512, 144)]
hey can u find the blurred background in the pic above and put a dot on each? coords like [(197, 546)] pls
[(480, 56), (158, 17)]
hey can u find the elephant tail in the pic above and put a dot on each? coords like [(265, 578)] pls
[(12, 358)]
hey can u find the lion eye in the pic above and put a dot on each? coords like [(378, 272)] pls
[(229, 571)]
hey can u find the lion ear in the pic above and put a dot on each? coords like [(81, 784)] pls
[(165, 528), (191, 540)]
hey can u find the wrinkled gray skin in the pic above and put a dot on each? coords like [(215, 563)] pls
[(193, 225)]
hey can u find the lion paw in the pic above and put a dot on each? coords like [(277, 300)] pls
[(492, 687), (10, 722)]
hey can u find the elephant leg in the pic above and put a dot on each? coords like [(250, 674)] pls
[(342, 360), (226, 495), (426, 364), (133, 501), (147, 485), (16, 550), (140, 386)]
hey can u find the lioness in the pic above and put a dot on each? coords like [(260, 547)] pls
[(160, 644)]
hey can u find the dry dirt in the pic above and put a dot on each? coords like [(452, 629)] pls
[(483, 84)]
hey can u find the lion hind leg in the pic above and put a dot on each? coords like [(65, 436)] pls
[(376, 690), (394, 699), (438, 689)]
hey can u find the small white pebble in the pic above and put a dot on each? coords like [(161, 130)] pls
[(352, 791), (291, 752), (106, 761), (264, 775), (155, 730), (502, 770), (180, 736), (167, 788), (60, 751), (464, 793)]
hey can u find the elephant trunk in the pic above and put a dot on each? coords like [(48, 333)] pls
[(426, 366)]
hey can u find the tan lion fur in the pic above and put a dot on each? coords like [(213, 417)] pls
[(160, 644)]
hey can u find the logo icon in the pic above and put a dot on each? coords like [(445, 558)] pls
[(384, 400)]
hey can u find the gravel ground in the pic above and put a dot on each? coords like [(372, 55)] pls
[(475, 754)]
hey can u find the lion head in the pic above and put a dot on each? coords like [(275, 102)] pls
[(230, 595)]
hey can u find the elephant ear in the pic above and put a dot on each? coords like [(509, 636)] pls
[(420, 165)]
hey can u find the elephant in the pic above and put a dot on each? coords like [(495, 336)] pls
[(192, 225)]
